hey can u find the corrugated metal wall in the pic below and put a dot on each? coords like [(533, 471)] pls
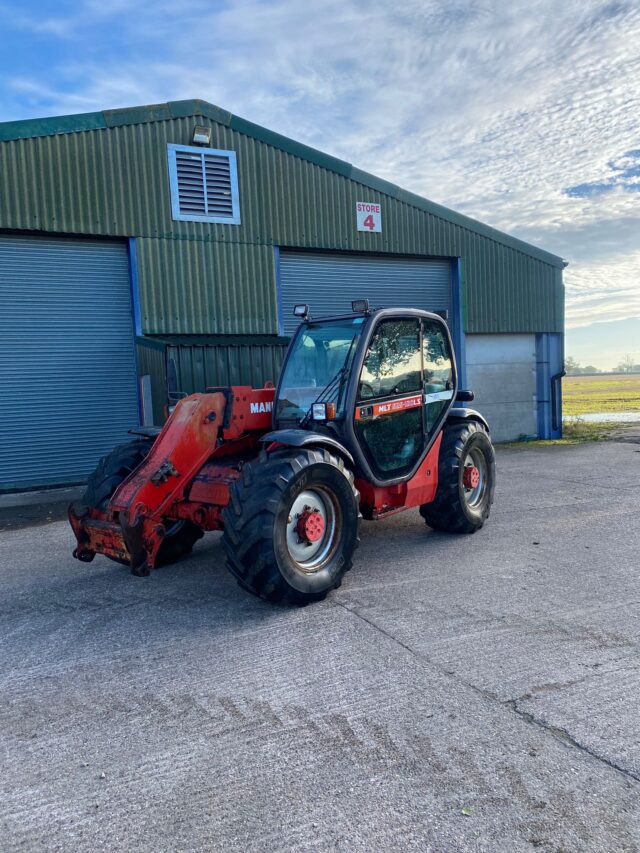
[(219, 279), (201, 365), (198, 287)]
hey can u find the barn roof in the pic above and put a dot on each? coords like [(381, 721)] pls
[(105, 119)]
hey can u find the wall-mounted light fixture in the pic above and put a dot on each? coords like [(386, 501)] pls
[(201, 135)]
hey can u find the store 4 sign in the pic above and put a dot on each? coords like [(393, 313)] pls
[(368, 216)]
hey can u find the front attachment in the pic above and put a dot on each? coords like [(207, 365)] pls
[(133, 523), (96, 535)]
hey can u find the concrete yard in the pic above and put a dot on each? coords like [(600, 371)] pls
[(457, 693)]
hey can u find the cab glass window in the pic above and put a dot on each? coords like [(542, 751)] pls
[(438, 373), (318, 366), (392, 364), (437, 357)]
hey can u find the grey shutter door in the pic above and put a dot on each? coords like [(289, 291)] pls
[(329, 282), (67, 362)]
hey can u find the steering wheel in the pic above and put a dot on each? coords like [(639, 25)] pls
[(371, 392)]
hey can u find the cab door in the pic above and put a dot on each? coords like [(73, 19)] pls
[(389, 417), (405, 386)]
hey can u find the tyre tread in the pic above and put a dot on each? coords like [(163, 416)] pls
[(249, 523), (446, 512)]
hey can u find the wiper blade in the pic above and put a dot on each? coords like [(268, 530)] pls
[(325, 395)]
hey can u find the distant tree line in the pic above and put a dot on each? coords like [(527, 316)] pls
[(574, 369), (627, 365)]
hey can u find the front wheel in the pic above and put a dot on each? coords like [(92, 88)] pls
[(291, 525), (466, 480)]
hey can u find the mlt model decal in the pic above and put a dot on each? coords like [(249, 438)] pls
[(376, 409)]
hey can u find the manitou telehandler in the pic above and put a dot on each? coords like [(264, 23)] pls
[(362, 423)]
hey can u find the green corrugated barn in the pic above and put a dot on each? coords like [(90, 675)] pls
[(171, 242)]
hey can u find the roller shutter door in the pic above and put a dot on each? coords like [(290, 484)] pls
[(67, 360), (329, 282), (501, 371)]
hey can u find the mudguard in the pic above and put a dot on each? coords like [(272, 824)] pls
[(146, 431), (305, 438), (461, 413)]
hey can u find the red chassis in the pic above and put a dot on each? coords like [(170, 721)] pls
[(189, 472)]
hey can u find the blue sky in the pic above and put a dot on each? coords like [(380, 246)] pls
[(524, 115)]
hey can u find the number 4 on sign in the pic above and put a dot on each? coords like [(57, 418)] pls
[(369, 216)]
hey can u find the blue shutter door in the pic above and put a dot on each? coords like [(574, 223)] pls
[(329, 282), (67, 360)]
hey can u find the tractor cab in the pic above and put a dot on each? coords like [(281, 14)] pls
[(379, 382)]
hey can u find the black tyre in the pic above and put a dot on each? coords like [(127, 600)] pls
[(112, 469), (466, 480), (291, 525)]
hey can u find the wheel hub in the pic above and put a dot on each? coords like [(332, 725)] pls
[(310, 526), (471, 477)]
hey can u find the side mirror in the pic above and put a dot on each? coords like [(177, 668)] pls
[(463, 396)]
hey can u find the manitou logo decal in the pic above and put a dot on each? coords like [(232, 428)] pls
[(261, 408)]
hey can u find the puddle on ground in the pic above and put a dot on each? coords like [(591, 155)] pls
[(600, 417)]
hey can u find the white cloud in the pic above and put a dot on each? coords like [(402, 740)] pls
[(492, 109), (590, 302)]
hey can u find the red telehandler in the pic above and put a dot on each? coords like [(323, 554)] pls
[(361, 424)]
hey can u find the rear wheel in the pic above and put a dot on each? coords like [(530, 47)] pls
[(291, 525), (113, 469), (466, 480)]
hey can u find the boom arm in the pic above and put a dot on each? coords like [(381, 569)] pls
[(217, 428)]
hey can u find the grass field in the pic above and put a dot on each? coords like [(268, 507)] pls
[(583, 395), (576, 431)]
